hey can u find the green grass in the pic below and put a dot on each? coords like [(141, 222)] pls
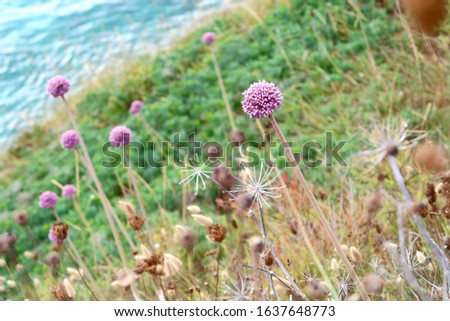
[(349, 68)]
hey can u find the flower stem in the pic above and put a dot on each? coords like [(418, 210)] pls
[(319, 211), (217, 271), (90, 167)]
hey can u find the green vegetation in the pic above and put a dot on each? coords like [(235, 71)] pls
[(341, 67)]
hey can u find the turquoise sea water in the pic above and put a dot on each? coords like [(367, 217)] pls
[(76, 38)]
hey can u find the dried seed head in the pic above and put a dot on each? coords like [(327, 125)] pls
[(392, 149), (316, 290), (222, 176), (9, 238), (185, 237), (374, 202), (216, 233), (214, 151), (202, 220), (171, 265), (153, 265), (244, 202), (373, 284), (194, 209), (237, 137), (53, 260), (124, 278), (269, 259), (127, 208), (355, 254), (419, 208), (431, 158), (60, 230), (256, 244), (135, 222), (21, 218)]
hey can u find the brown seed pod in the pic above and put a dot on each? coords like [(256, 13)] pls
[(53, 260), (155, 264), (256, 244), (419, 208), (185, 237), (244, 202), (60, 230), (374, 202), (213, 151), (427, 15), (223, 177), (21, 218), (392, 150), (237, 137), (373, 283), (135, 222), (431, 158), (216, 232), (269, 259), (316, 290)]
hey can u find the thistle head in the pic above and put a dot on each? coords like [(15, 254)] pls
[(21, 218), (68, 191), (58, 86), (69, 139), (208, 38), (48, 199), (120, 136), (261, 99), (136, 107)]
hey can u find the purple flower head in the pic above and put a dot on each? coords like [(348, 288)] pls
[(136, 107), (261, 99), (69, 139), (48, 199), (68, 191), (52, 237), (208, 38), (58, 86), (120, 136)]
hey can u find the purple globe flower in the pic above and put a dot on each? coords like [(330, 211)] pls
[(261, 99), (48, 199), (70, 139), (52, 237), (136, 107), (120, 136), (68, 191), (58, 86), (208, 38)]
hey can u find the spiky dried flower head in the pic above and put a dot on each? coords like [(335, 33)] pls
[(427, 15), (60, 230), (355, 254), (53, 259), (216, 232), (21, 218), (431, 158), (135, 222), (136, 106), (58, 86), (237, 137), (123, 279), (208, 38), (70, 139), (373, 284), (194, 209), (261, 99), (256, 244), (202, 220), (198, 174), (48, 199), (68, 191), (120, 136), (185, 236)]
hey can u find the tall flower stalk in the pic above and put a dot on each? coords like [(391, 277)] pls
[(261, 99), (58, 86)]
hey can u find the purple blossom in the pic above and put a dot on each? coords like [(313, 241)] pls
[(58, 86), (261, 99), (136, 107), (70, 139), (68, 191), (120, 136), (52, 237), (48, 199), (208, 38)]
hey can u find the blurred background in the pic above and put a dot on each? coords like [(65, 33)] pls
[(41, 38)]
